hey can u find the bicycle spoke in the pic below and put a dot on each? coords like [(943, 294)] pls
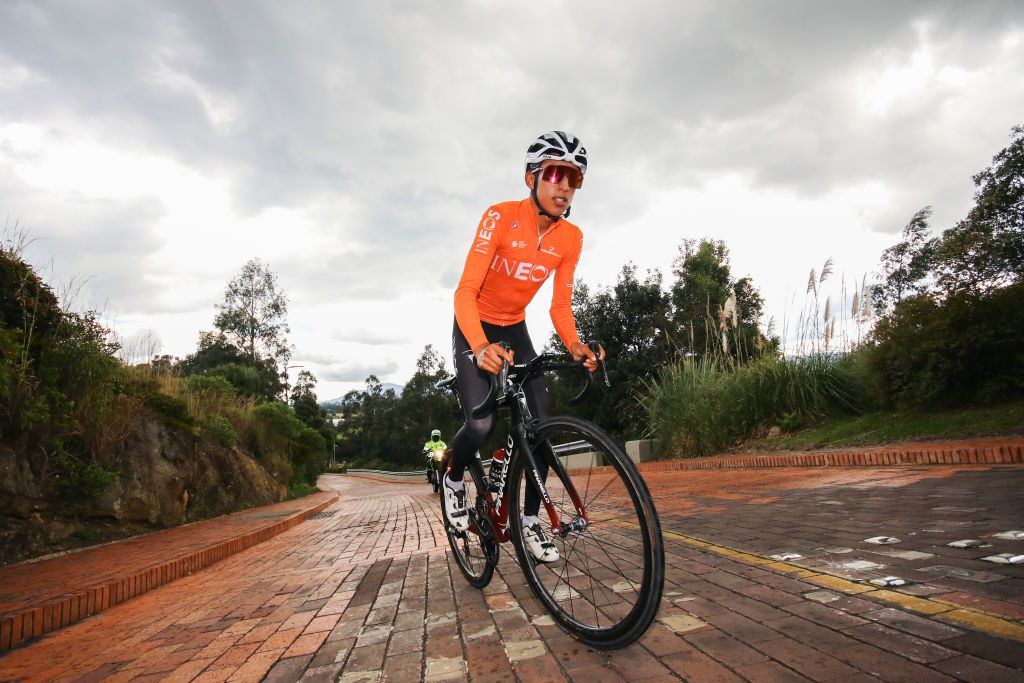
[(608, 586)]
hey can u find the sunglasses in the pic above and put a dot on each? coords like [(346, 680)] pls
[(554, 175)]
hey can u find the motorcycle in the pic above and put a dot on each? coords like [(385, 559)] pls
[(434, 468)]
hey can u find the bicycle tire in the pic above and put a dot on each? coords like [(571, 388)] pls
[(624, 579), (470, 549)]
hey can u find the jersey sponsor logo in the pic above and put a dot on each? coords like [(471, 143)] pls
[(552, 252), (515, 225), (487, 226), (520, 270), (518, 244)]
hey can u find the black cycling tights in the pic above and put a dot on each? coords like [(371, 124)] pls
[(474, 384)]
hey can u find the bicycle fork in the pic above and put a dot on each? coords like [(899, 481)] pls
[(557, 526)]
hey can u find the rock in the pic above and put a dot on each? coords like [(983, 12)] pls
[(21, 490), (166, 479)]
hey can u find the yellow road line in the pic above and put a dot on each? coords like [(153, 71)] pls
[(967, 616)]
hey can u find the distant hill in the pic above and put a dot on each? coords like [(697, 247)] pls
[(397, 388)]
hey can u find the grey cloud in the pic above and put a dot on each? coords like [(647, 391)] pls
[(314, 358), (355, 371), (362, 335), (450, 276), (101, 246), (414, 112)]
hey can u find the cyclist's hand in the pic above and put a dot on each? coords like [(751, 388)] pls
[(581, 351), (489, 357)]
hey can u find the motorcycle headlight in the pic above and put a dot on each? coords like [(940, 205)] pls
[(438, 454)]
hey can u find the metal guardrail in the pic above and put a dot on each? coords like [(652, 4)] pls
[(564, 448)]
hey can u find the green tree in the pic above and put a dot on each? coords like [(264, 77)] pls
[(308, 409), (749, 341), (631, 322), (422, 407), (700, 291), (706, 302), (304, 401), (216, 355), (985, 251), (369, 431), (906, 264), (254, 314)]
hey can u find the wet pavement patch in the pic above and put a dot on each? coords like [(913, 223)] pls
[(525, 649)]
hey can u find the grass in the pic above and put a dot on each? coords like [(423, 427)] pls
[(878, 428), (700, 406)]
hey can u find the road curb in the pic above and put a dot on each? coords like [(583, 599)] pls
[(986, 452), (33, 622)]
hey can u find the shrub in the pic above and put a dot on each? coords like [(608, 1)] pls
[(279, 433), (209, 395), (78, 479), (174, 411), (217, 429), (246, 379), (699, 406), (300, 489), (958, 351)]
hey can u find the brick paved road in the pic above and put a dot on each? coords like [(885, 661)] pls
[(367, 593)]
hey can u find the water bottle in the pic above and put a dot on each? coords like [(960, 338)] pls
[(499, 463)]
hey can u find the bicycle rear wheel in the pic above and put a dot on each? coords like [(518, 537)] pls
[(474, 549), (607, 585)]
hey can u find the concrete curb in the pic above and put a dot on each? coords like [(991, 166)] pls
[(32, 622)]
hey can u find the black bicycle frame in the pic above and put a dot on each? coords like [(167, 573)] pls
[(520, 438)]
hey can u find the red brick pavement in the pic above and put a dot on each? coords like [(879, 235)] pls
[(43, 596), (370, 594)]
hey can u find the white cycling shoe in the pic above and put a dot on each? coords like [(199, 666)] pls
[(542, 549), (455, 504)]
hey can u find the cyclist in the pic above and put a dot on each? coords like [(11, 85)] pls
[(515, 249), (431, 446)]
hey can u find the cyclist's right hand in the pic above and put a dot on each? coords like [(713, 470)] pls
[(489, 357)]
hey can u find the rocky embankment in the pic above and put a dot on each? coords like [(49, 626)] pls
[(166, 478)]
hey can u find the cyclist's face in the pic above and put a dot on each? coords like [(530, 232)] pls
[(554, 198)]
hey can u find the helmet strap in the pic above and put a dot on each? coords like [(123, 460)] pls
[(536, 201)]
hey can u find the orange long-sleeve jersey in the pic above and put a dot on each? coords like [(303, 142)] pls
[(507, 264)]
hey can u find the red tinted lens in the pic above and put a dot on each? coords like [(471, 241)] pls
[(554, 175)]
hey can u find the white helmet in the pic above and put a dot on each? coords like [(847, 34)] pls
[(557, 145)]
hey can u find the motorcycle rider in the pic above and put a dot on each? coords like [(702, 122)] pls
[(431, 446)]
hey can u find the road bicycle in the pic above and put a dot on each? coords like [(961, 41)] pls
[(606, 587)]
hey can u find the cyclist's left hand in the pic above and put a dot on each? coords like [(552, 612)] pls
[(581, 351)]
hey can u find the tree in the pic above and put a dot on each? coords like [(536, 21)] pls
[(304, 401), (985, 251), (711, 312), (370, 428), (748, 340), (216, 355), (308, 410), (700, 291), (631, 320), (254, 314), (906, 264)]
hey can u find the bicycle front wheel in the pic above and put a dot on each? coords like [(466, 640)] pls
[(606, 586)]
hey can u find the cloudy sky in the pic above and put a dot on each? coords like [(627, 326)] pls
[(152, 148)]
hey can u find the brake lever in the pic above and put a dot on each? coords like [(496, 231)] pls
[(497, 381), (596, 348)]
